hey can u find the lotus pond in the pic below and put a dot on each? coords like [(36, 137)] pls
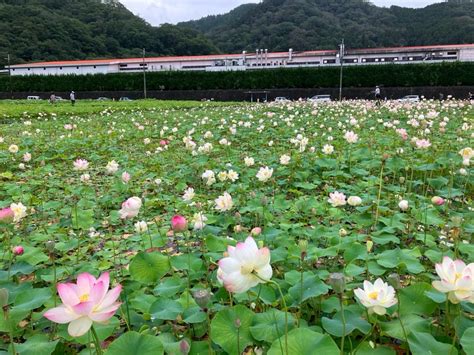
[(204, 228)]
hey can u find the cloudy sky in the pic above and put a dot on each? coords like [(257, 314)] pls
[(173, 11)]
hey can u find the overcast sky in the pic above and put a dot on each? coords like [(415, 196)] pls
[(173, 11)]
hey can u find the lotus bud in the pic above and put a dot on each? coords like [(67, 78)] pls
[(337, 282), (303, 245), (184, 347), (438, 201), (370, 245), (256, 231), (238, 228), (342, 232), (18, 250), (238, 323), (179, 223), (50, 244), (3, 297), (403, 205)]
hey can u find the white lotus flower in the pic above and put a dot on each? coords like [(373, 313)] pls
[(244, 267), (264, 174), (224, 202), (377, 297), (112, 167), (19, 211), (457, 280), (249, 161), (188, 194), (285, 159), (199, 221), (141, 227)]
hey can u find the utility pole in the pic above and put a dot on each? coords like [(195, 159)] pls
[(9, 76), (144, 74), (341, 60)]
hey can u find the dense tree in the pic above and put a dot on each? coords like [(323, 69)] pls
[(36, 30), (314, 24)]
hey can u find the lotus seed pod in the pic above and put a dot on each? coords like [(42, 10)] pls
[(337, 281)]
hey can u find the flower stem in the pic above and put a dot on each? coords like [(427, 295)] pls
[(343, 318), (286, 314), (400, 319), (98, 348), (379, 195)]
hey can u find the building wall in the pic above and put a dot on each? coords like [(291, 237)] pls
[(65, 70), (261, 60)]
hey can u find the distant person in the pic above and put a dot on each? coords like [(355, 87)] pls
[(52, 99), (378, 96), (471, 96), (441, 96), (72, 96)]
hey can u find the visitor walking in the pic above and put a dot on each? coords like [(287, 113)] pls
[(52, 99), (377, 95), (72, 96)]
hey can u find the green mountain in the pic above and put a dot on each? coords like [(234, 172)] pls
[(37, 30), (312, 24)]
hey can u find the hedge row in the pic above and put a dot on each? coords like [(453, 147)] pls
[(439, 74)]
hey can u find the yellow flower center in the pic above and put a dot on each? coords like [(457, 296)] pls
[(246, 269), (373, 295), (84, 298)]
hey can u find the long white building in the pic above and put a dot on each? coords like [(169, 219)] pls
[(260, 59)]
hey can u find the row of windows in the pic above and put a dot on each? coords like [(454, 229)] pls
[(434, 56)]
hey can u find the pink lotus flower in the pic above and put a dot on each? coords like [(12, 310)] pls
[(403, 133), (18, 250), (351, 137), (86, 302), (179, 223), (81, 164), (163, 142), (337, 198), (256, 231), (6, 215), (422, 143), (457, 280), (125, 177), (245, 267), (130, 208)]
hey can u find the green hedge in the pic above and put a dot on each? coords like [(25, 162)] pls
[(439, 74)]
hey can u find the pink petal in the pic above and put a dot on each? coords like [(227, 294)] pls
[(79, 326), (111, 297), (459, 265), (85, 282), (97, 293), (102, 317), (61, 315), (228, 265), (67, 293), (84, 308), (105, 278), (263, 258)]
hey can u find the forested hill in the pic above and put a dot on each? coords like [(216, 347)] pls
[(312, 24), (32, 30)]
